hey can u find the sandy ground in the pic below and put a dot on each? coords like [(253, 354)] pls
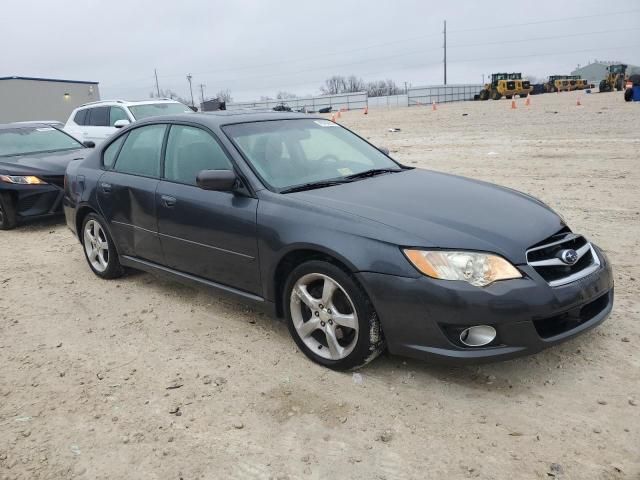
[(87, 366)]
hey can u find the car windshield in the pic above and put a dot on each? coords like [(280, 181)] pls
[(36, 139), (289, 153), (154, 109)]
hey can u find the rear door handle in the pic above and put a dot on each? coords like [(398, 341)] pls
[(168, 201), (106, 187)]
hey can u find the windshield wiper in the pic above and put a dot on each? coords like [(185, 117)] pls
[(373, 172), (312, 185)]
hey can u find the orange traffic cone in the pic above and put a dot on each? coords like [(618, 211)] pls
[(578, 102), (527, 102), (513, 104), (366, 110), (433, 106)]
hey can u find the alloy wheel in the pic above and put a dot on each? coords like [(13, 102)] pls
[(96, 245), (324, 316)]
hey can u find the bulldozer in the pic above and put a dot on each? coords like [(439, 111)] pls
[(565, 83), (505, 85), (616, 78)]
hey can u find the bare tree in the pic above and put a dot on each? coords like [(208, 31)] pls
[(282, 95), (354, 84), (334, 85), (224, 96)]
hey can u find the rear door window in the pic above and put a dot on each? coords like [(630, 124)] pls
[(111, 152), (140, 154), (98, 117)]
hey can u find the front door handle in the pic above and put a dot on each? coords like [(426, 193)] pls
[(168, 201), (106, 187)]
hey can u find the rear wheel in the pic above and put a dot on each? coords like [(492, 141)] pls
[(330, 317), (8, 216), (484, 94), (99, 249), (628, 95), (496, 95)]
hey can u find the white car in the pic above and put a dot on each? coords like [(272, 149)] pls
[(96, 121)]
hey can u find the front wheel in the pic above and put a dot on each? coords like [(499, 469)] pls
[(99, 249), (330, 317)]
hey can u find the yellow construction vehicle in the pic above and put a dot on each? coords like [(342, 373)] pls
[(505, 85), (616, 78), (565, 83)]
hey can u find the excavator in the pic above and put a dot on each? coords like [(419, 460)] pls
[(505, 85), (616, 78)]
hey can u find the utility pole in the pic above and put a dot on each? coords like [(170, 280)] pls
[(202, 85), (189, 77), (445, 52), (157, 85)]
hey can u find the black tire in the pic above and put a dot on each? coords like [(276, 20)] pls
[(496, 95), (113, 268), (8, 215), (370, 341), (628, 95), (484, 95), (523, 95)]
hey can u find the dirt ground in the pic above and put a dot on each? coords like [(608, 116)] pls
[(91, 370)]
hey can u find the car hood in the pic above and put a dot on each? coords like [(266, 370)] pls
[(53, 163), (431, 209)]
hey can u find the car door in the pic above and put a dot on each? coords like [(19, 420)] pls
[(126, 191), (205, 233), (97, 128)]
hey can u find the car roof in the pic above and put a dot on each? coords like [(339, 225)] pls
[(226, 117), (127, 103)]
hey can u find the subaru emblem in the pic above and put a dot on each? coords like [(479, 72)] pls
[(569, 256)]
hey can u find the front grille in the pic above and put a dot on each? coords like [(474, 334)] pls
[(526, 84), (552, 326), (511, 85), (546, 258)]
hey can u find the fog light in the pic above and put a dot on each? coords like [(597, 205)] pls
[(478, 336)]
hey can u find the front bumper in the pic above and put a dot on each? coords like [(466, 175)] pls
[(35, 200), (419, 315)]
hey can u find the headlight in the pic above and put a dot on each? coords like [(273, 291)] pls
[(479, 269), (22, 180)]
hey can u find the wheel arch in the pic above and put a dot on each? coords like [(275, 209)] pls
[(296, 256)]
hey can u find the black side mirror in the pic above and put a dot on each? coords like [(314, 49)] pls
[(384, 150), (218, 180), (89, 144)]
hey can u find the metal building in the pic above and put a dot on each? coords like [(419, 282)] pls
[(28, 98), (596, 71)]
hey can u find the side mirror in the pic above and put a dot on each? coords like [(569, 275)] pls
[(218, 180), (121, 123), (384, 150), (89, 144)]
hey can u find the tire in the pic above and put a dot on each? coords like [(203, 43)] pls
[(628, 95), (95, 239), (8, 215), (484, 95), (496, 95), (357, 337), (508, 97), (523, 95)]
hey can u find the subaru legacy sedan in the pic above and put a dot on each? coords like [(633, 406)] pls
[(357, 252)]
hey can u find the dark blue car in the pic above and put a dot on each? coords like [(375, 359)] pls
[(355, 251)]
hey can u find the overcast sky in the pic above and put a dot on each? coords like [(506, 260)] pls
[(256, 48)]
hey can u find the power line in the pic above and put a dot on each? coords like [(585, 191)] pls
[(394, 42), (555, 20)]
